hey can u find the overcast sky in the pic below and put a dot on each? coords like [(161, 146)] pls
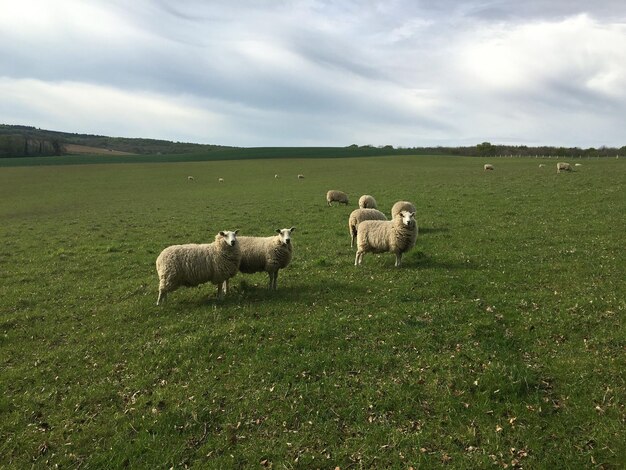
[(319, 72)]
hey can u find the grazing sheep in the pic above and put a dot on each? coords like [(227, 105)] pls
[(541, 165), (220, 180), (359, 215), (267, 254), (367, 202), (191, 265), (488, 166), (401, 206), (562, 166), (336, 196), (578, 164), (276, 176), (386, 236), (190, 178), (300, 177)]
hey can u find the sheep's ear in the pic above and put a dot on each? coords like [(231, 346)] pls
[(277, 230), (236, 231), (412, 214), (292, 229), (222, 234)]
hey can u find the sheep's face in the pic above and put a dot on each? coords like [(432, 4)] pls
[(285, 235), (230, 238), (408, 218)]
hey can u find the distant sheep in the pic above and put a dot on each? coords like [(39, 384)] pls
[(220, 180), (300, 177), (367, 202), (276, 176), (401, 206), (267, 254), (190, 178), (191, 265), (562, 166), (541, 165), (335, 195), (386, 236), (578, 164), (359, 215), (488, 166)]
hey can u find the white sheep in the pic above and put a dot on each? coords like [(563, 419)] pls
[(488, 166), (386, 236), (401, 206), (300, 177), (194, 264), (276, 176), (367, 202), (562, 166), (268, 254), (541, 165), (190, 178), (220, 180), (335, 195), (359, 215), (578, 164)]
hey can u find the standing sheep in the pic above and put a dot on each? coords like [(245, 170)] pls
[(488, 166), (359, 215), (192, 264), (267, 254), (367, 202), (300, 177), (562, 166), (401, 206), (220, 180), (386, 236), (336, 196)]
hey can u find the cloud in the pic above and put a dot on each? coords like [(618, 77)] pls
[(317, 72)]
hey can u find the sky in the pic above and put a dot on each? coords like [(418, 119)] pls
[(251, 73)]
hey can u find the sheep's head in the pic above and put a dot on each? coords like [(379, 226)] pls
[(230, 238), (408, 218), (284, 235)]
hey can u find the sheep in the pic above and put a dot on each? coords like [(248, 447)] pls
[(386, 236), (562, 166), (194, 264), (367, 202), (336, 196), (220, 180), (541, 165), (401, 206), (300, 177), (359, 215), (276, 176), (578, 164), (190, 178), (488, 166), (267, 254)]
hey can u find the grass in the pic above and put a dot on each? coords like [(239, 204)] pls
[(500, 342)]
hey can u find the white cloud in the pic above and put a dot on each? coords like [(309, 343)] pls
[(81, 107)]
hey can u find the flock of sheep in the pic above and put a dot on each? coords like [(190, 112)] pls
[(560, 166), (194, 264)]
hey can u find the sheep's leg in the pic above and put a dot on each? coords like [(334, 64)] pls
[(275, 281), (359, 258), (220, 291), (162, 296), (398, 259), (225, 286)]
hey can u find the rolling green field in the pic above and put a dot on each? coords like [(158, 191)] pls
[(500, 342)]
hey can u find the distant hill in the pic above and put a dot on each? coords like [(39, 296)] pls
[(22, 141)]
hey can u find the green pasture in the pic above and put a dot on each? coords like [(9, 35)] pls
[(500, 342)]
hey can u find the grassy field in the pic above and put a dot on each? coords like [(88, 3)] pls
[(499, 343)]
